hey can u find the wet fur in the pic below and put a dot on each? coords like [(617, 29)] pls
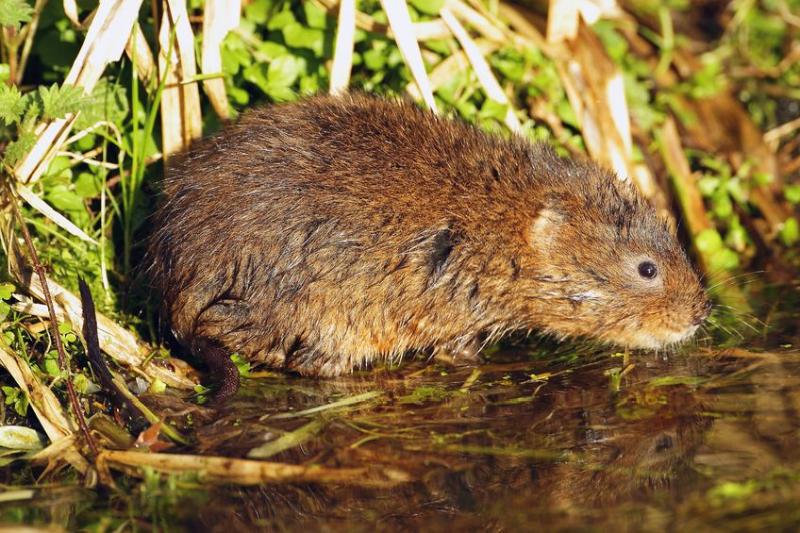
[(323, 235)]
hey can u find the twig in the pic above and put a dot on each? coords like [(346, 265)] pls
[(10, 36), (96, 361), (62, 356), (77, 158), (137, 412), (787, 15), (343, 53), (248, 471), (481, 68), (787, 128), (28, 44), (400, 22)]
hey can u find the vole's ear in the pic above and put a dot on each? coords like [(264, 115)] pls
[(544, 228), (671, 225)]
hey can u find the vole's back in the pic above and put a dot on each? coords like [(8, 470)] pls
[(317, 235), (320, 235)]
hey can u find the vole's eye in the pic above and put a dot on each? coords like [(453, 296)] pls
[(648, 270)]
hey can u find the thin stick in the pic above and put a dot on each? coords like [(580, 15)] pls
[(343, 53), (230, 470), (62, 356), (775, 134), (481, 67), (400, 22), (28, 44)]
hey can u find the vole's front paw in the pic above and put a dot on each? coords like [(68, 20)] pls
[(458, 355)]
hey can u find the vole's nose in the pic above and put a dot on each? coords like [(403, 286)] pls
[(701, 317)]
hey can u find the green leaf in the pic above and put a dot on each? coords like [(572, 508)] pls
[(615, 44), (87, 185), (309, 84), (510, 63), (637, 92), (280, 20), (737, 190), (14, 12), (242, 364), (272, 50), (723, 259), (17, 398), (145, 139), (707, 81), (10, 393), (360, 36), (731, 490), (566, 113), (375, 59), (315, 16), (277, 78), (299, 36), (284, 71), (57, 101), (257, 75), (424, 394), (86, 143), (82, 383), (238, 95), (429, 7), (790, 231), (737, 236), (51, 364), (721, 202), (56, 47), (60, 169), (6, 290), (467, 110), (763, 178), (708, 185), (443, 47), (380, 17), (157, 386), (17, 149), (282, 94), (258, 11), (234, 54), (792, 193), (107, 102), (12, 104), (448, 91), (708, 240), (493, 109)]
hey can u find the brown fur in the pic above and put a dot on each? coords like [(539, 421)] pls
[(326, 234)]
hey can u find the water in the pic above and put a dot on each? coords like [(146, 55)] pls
[(540, 437)]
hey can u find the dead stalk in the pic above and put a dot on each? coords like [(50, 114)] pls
[(62, 356)]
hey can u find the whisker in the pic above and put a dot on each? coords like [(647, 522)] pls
[(724, 328), (728, 280), (746, 323), (744, 318)]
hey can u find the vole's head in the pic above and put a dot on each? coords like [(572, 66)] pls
[(608, 267)]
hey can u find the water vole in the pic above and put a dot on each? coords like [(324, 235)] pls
[(323, 235)]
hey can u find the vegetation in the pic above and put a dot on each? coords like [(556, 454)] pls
[(698, 105)]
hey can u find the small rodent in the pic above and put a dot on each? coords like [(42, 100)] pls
[(322, 235)]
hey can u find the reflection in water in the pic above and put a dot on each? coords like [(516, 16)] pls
[(518, 451), (536, 438)]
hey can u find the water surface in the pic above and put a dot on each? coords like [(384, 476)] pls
[(541, 436)]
